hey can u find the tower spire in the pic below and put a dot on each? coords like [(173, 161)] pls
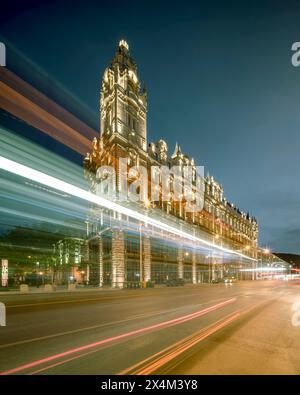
[(123, 103)]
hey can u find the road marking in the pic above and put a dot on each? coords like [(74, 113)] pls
[(64, 361), (105, 298), (126, 335)]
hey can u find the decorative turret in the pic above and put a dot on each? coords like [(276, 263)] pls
[(162, 150)]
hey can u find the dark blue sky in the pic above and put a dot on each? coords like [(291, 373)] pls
[(219, 79)]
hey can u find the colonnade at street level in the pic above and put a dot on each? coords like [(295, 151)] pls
[(116, 257)]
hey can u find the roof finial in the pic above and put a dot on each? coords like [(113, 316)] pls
[(177, 151), (123, 44)]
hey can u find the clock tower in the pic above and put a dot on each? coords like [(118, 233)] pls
[(123, 104)]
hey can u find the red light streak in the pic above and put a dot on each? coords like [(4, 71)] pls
[(161, 325)]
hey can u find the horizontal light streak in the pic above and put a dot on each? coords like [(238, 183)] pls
[(62, 186), (265, 269)]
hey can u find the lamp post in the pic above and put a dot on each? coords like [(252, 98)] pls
[(41, 274), (141, 256), (209, 267), (266, 252), (147, 205)]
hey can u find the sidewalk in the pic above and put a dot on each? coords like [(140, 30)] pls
[(64, 289), (59, 289)]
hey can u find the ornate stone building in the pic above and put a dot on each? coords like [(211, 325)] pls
[(123, 256)]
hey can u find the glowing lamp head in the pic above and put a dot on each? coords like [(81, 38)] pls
[(147, 203)]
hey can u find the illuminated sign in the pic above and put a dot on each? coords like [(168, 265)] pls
[(4, 275), (2, 314)]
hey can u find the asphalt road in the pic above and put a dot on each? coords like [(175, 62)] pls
[(245, 328)]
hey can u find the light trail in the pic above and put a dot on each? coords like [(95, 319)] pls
[(265, 269), (161, 358), (89, 328), (182, 346), (62, 186), (161, 325), (25, 102)]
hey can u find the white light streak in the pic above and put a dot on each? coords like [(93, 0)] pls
[(265, 269), (62, 186)]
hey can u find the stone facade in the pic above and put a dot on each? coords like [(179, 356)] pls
[(123, 113)]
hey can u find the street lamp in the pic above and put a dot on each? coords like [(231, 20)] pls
[(209, 257), (147, 203), (42, 277)]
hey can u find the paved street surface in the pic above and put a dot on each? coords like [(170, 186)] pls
[(207, 329)]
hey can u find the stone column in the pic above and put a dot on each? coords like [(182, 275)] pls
[(118, 259), (147, 258), (87, 274), (180, 262), (209, 268), (194, 268), (100, 261), (87, 259), (213, 270), (221, 269), (254, 267)]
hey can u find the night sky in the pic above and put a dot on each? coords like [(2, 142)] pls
[(219, 78)]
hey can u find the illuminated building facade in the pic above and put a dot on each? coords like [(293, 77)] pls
[(123, 256)]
